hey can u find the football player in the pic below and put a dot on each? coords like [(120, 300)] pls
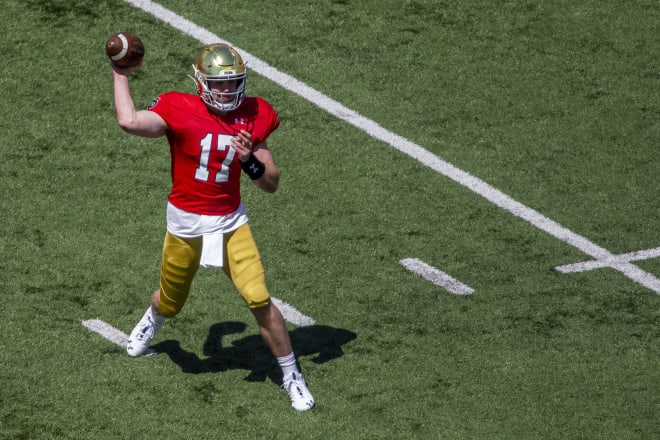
[(214, 136)]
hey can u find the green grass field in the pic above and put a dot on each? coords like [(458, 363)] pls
[(554, 103)]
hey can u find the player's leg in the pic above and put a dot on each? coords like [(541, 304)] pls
[(243, 265), (180, 262), (273, 329)]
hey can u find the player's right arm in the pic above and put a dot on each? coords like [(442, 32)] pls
[(138, 122)]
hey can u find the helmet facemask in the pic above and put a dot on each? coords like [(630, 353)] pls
[(220, 62)]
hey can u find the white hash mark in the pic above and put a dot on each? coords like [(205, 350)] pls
[(436, 276)]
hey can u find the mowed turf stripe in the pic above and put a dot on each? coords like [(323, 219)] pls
[(409, 148)]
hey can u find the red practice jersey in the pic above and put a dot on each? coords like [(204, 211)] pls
[(206, 172)]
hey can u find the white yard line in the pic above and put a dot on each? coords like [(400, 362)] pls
[(407, 147), (111, 333), (597, 264), (291, 314), (119, 338), (436, 276)]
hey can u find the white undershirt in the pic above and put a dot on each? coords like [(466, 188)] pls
[(187, 224), (211, 227)]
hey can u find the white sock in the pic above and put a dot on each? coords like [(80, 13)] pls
[(288, 364)]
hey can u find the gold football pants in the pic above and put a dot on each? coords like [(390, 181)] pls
[(241, 263)]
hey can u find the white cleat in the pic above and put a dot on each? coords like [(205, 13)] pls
[(295, 386), (143, 333)]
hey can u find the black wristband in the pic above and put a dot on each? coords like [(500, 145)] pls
[(253, 167)]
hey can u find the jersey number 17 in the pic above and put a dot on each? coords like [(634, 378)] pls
[(202, 170)]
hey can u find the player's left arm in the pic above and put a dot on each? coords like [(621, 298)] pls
[(257, 162), (270, 180)]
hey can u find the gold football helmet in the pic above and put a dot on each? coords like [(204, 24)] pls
[(215, 63)]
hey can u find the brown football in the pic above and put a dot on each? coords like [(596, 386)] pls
[(124, 49)]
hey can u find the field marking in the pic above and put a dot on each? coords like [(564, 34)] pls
[(291, 314), (109, 332), (436, 276), (120, 338), (409, 148), (621, 258), (112, 334)]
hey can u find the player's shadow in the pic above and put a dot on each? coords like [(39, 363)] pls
[(251, 353)]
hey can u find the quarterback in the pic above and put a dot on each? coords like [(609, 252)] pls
[(214, 136)]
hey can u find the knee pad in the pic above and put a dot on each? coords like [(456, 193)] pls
[(243, 266), (179, 265)]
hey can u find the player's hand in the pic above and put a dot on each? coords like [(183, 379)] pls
[(126, 70), (242, 143)]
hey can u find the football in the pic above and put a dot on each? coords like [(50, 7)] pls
[(124, 49)]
